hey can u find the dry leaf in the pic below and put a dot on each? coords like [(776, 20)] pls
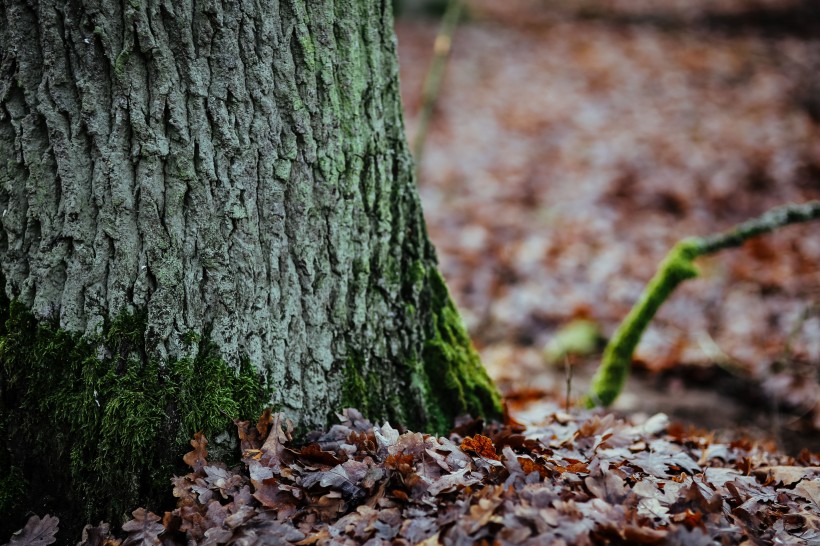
[(481, 446), (197, 458), (36, 532)]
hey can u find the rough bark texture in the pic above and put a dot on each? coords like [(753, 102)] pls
[(234, 172)]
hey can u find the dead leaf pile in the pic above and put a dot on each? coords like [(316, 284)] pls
[(580, 479)]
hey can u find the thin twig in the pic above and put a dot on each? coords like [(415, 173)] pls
[(771, 220), (568, 373), (432, 81)]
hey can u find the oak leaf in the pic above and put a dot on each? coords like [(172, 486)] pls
[(36, 532), (144, 529), (481, 446), (197, 458), (98, 536)]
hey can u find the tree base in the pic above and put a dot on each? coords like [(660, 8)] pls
[(93, 427)]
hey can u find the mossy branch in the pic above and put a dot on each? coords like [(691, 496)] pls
[(677, 266)]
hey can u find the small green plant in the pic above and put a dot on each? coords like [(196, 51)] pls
[(673, 270)]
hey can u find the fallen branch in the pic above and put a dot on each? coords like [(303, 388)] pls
[(676, 267)]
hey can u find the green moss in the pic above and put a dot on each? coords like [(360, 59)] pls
[(191, 338), (369, 393), (457, 382), (100, 426), (611, 375), (440, 378), (354, 389), (13, 486), (120, 63)]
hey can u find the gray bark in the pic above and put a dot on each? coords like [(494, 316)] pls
[(237, 168)]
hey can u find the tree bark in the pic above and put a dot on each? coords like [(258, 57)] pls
[(184, 181)]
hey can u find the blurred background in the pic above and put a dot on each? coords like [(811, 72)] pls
[(572, 143)]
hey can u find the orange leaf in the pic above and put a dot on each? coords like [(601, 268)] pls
[(529, 466), (401, 495), (401, 462), (196, 459), (481, 446), (578, 467)]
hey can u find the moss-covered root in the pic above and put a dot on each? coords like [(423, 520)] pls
[(676, 268)]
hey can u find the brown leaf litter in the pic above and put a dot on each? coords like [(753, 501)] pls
[(583, 478)]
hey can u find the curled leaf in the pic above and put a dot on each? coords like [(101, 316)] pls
[(144, 529)]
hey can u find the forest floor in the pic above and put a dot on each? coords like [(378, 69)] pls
[(574, 142), (570, 148), (578, 479)]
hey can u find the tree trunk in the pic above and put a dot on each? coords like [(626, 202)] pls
[(208, 207)]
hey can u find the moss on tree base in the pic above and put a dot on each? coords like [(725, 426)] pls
[(443, 379), (92, 428), (458, 382)]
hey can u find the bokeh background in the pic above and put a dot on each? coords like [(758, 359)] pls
[(572, 143)]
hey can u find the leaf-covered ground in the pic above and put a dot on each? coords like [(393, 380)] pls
[(577, 479), (574, 142)]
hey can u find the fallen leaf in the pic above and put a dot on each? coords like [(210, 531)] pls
[(197, 458), (98, 536), (809, 490), (143, 530), (36, 532), (787, 475), (481, 446)]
